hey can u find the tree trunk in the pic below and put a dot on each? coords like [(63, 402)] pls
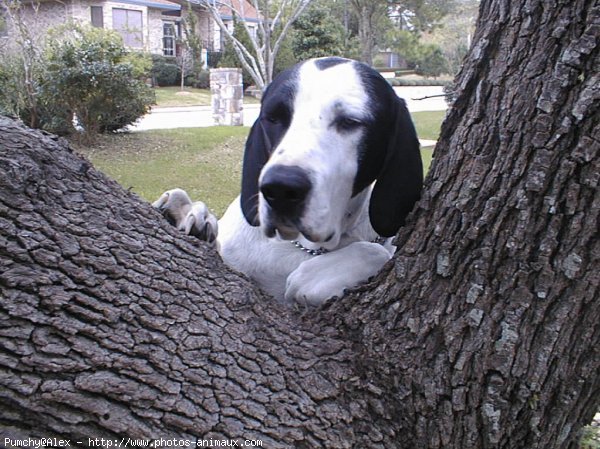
[(365, 34), (365, 12), (480, 333)]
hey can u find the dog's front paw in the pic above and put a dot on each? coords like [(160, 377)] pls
[(328, 275), (174, 205), (303, 287), (192, 218), (200, 223)]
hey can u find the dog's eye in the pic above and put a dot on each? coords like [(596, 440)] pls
[(273, 119), (348, 123), (277, 114)]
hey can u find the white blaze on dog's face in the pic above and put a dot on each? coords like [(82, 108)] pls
[(322, 142)]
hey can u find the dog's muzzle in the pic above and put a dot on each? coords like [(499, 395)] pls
[(285, 189)]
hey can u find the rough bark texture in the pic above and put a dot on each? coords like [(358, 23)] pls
[(481, 333)]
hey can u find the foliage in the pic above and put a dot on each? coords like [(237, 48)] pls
[(590, 438), (417, 82), (190, 49), (28, 103), (431, 61), (285, 56), (229, 57), (141, 64), (22, 65), (405, 43), (317, 34), (454, 33), (12, 94), (213, 58), (164, 71), (80, 72), (373, 20), (427, 59), (199, 79), (420, 15), (88, 76)]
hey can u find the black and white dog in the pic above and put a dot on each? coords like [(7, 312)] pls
[(331, 170)]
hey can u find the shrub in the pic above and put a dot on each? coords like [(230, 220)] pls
[(213, 58), (417, 82), (12, 91), (84, 71), (431, 61), (141, 64), (200, 79), (165, 72), (88, 75)]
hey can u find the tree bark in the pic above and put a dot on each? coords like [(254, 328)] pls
[(480, 333)]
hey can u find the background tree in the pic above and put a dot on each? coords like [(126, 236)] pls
[(317, 34), (421, 15), (229, 57), (368, 13), (481, 332), (190, 47), (376, 17), (426, 59), (274, 22), (432, 62), (454, 33), (21, 65)]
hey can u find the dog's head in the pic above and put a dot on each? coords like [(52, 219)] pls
[(327, 129)]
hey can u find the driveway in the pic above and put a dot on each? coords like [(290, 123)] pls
[(201, 116)]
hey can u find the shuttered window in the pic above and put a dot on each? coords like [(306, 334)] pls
[(128, 23)]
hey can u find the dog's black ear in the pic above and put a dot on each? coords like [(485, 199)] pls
[(398, 185), (256, 155)]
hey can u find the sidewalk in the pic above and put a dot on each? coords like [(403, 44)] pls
[(201, 116), (186, 117)]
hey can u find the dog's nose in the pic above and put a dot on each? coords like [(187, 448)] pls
[(285, 188)]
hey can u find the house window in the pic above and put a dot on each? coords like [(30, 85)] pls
[(97, 17), (169, 38), (128, 23), (3, 25)]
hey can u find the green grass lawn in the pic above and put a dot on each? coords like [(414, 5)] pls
[(173, 96), (204, 161), (428, 123), (428, 127)]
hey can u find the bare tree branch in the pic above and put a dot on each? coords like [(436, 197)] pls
[(259, 60), (244, 56)]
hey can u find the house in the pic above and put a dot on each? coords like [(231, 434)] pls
[(148, 25), (242, 9), (227, 10)]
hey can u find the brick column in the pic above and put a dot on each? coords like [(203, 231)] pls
[(227, 96)]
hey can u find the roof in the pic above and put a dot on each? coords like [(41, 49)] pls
[(225, 7), (158, 4), (250, 12)]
